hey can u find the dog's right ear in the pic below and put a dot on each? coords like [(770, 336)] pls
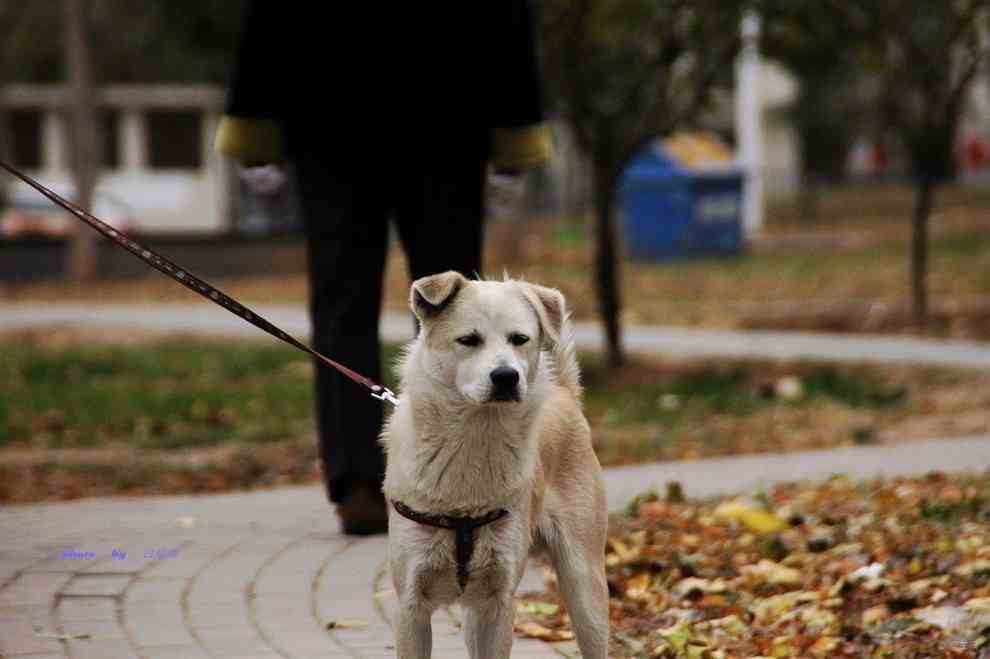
[(430, 295)]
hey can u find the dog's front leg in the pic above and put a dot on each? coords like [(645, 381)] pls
[(414, 632), (488, 627)]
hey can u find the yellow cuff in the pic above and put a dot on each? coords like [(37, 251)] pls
[(519, 148), (251, 141)]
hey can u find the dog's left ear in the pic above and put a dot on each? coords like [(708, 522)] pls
[(430, 295), (550, 309)]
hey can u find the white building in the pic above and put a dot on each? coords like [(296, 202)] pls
[(157, 150)]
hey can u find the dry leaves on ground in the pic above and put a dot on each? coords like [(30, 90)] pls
[(885, 569)]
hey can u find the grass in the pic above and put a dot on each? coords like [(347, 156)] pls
[(673, 410), (176, 394), (733, 391), (180, 394), (204, 415), (868, 205)]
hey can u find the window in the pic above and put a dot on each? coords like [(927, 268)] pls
[(25, 138), (110, 135), (175, 140)]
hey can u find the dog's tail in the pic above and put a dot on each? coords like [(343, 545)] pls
[(565, 358)]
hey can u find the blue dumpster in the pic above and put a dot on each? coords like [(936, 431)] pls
[(673, 210)]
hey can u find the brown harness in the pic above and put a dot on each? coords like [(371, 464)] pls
[(463, 528)]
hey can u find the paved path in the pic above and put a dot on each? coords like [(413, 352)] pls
[(732, 475), (203, 318), (261, 574), (247, 575)]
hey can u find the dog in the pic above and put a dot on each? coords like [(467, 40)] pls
[(489, 456)]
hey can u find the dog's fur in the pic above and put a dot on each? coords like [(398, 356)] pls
[(459, 445)]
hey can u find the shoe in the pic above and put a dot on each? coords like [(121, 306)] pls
[(363, 511)]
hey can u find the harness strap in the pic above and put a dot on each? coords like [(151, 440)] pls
[(463, 528)]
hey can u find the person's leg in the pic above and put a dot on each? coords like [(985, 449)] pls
[(440, 213), (346, 227)]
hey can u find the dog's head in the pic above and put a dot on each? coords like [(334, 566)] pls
[(483, 339)]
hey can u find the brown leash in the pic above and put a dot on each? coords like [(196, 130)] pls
[(194, 283)]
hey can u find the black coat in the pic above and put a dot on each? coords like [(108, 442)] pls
[(355, 78)]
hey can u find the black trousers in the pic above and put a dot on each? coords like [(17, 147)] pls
[(437, 205)]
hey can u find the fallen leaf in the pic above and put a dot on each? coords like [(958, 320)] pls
[(682, 643), (783, 646), (824, 646), (973, 568), (871, 571), (539, 608), (186, 522), (654, 509), (874, 615), (638, 587), (875, 585), (752, 518), (819, 620), (943, 617), (767, 571), (685, 587), (622, 550), (789, 388), (769, 609), (536, 630), (730, 624), (346, 624)]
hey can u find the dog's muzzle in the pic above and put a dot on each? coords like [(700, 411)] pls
[(505, 384)]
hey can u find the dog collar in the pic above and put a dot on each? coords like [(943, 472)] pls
[(463, 528)]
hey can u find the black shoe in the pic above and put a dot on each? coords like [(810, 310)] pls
[(363, 511)]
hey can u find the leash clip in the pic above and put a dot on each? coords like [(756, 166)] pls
[(384, 394)]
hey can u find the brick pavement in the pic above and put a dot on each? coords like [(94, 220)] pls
[(253, 575), (260, 575)]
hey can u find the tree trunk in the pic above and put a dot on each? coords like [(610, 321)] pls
[(925, 193), (606, 268), (809, 197), (83, 135)]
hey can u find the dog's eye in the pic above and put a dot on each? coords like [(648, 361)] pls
[(470, 340), (518, 339)]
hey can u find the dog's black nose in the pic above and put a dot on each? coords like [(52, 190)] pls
[(505, 377)]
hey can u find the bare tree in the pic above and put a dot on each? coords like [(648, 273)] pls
[(83, 134), (622, 72), (927, 56)]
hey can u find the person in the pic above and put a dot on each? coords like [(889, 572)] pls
[(393, 110)]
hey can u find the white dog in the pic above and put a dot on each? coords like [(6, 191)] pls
[(490, 455)]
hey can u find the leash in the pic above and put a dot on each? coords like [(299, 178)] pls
[(197, 285)]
